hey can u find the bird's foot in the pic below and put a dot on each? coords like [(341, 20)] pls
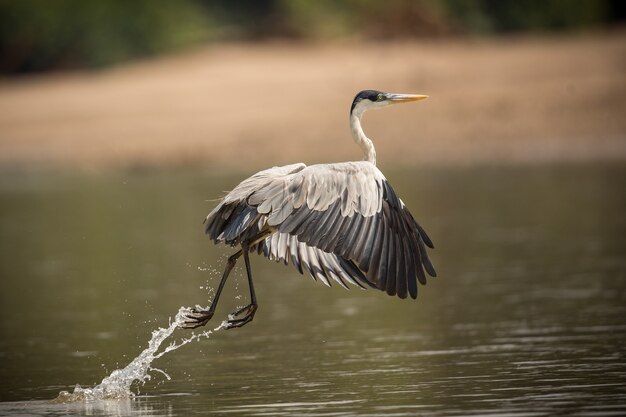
[(196, 318), (241, 317)]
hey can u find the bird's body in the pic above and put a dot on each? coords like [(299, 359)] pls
[(340, 222)]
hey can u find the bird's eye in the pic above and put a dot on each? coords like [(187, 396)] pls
[(380, 97)]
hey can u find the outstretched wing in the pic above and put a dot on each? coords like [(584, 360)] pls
[(347, 209)]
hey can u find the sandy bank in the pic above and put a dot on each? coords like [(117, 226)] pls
[(530, 99)]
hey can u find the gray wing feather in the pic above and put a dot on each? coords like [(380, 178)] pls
[(313, 260), (282, 247), (226, 212)]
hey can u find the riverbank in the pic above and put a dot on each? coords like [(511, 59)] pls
[(506, 100)]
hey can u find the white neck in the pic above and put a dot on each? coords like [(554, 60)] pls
[(359, 137)]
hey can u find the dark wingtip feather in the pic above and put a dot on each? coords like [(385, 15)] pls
[(429, 268), (391, 288), (354, 271), (424, 236), (421, 277), (402, 295)]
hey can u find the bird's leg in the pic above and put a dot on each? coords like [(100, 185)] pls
[(238, 318), (196, 318)]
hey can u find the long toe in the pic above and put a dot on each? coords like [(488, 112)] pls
[(192, 324), (250, 311), (232, 324), (196, 318)]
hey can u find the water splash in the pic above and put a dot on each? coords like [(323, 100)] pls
[(117, 385)]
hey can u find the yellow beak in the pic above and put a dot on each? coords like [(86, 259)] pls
[(403, 98)]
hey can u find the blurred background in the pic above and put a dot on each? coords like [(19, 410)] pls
[(231, 84), (74, 35), (121, 122)]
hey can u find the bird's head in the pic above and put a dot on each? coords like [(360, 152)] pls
[(373, 99)]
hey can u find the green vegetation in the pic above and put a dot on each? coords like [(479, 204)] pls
[(37, 35), (496, 16)]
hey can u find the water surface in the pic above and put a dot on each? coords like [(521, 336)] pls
[(527, 316)]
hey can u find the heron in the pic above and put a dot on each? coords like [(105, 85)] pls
[(340, 222)]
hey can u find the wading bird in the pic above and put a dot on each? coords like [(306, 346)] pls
[(340, 222)]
